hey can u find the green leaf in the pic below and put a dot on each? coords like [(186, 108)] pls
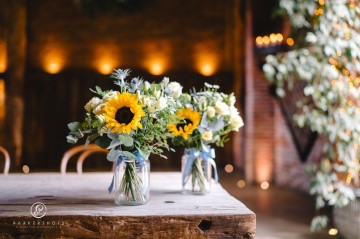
[(74, 126), (71, 139), (113, 154), (155, 87), (128, 154), (126, 140), (115, 142), (103, 141), (144, 153), (177, 141), (318, 223)]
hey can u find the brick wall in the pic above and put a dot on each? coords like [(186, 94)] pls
[(264, 130)]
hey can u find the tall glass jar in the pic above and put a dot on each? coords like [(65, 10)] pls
[(196, 173), (132, 182)]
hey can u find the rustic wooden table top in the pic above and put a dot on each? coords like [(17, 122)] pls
[(79, 206)]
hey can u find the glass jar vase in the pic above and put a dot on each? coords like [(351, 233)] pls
[(196, 172), (132, 182)]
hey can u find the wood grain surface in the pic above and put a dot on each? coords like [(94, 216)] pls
[(79, 206)]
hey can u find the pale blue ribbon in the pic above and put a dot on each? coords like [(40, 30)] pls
[(191, 155), (121, 159)]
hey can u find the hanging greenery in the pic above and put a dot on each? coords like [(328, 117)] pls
[(328, 61)]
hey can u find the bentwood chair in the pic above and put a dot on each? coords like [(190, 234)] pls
[(7, 159), (85, 152)]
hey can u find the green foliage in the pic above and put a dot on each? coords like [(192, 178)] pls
[(158, 105), (328, 62)]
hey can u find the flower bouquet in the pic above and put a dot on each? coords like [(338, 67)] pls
[(207, 117), (131, 122)]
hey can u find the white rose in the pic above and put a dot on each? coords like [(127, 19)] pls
[(207, 135), (146, 100), (211, 112), (161, 104), (232, 100), (233, 111), (110, 95), (157, 93), (174, 89), (151, 106), (236, 122), (221, 108), (98, 109), (95, 101)]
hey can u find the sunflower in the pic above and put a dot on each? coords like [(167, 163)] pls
[(123, 113), (189, 120)]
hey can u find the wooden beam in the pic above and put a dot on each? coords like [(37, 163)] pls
[(249, 96), (15, 27), (238, 69)]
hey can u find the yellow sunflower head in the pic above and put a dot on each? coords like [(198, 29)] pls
[(189, 120), (123, 113)]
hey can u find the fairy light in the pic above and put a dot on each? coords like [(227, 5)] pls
[(241, 183), (348, 178), (229, 168), (333, 232), (357, 80), (290, 41), (272, 39), (259, 41), (264, 185), (266, 40), (338, 53), (352, 4), (322, 2), (26, 169)]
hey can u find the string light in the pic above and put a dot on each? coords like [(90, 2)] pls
[(26, 169), (322, 2), (264, 185), (272, 39), (333, 231), (290, 41), (241, 183), (229, 168)]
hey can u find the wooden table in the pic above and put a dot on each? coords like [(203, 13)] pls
[(79, 206)]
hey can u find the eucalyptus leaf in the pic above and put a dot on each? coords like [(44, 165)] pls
[(103, 141), (128, 154), (71, 139), (113, 154), (126, 140), (115, 142), (74, 126)]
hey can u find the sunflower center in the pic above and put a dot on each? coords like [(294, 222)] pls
[(124, 115), (183, 124)]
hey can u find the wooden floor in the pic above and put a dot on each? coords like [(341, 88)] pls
[(281, 213)]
